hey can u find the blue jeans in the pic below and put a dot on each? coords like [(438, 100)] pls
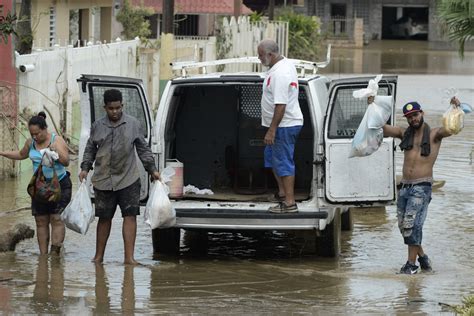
[(412, 208), (279, 156)]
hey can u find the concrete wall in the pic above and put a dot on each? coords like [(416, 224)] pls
[(96, 25), (52, 85), (8, 101)]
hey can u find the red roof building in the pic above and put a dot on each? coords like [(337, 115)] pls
[(192, 17), (218, 7)]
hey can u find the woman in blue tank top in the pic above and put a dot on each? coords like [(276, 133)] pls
[(47, 215)]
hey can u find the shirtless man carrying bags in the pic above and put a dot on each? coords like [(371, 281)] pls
[(421, 145)]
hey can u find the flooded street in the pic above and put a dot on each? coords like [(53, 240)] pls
[(266, 273)]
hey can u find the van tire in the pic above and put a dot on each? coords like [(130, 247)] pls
[(347, 220), (166, 241), (328, 244), (196, 241)]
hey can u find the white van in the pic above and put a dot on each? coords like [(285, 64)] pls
[(211, 123)]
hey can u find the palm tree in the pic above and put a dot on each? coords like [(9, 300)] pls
[(458, 16)]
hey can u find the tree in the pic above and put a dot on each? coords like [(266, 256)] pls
[(458, 16), (24, 31), (303, 34), (133, 20)]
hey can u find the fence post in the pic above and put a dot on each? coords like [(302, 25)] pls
[(166, 57), (359, 32)]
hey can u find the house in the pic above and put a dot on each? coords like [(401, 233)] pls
[(262, 5), (383, 19), (192, 17), (73, 22)]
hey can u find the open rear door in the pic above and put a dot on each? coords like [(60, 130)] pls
[(92, 88), (360, 180)]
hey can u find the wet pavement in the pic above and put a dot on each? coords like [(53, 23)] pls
[(266, 273)]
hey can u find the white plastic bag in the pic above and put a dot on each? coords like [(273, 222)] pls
[(48, 157), (371, 89), (159, 212), (369, 134), (192, 189), (366, 141), (79, 213), (453, 119), (379, 112)]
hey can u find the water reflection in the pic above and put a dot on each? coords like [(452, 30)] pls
[(107, 299), (273, 286), (414, 297), (48, 292), (102, 298), (399, 57), (259, 245), (5, 297), (128, 290)]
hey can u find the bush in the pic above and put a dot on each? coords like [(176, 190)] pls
[(303, 35), (133, 21)]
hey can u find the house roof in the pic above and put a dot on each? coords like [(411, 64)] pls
[(223, 7)]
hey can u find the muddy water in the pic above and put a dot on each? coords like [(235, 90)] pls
[(399, 57), (265, 273)]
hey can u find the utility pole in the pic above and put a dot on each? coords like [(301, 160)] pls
[(167, 44), (271, 9), (168, 16), (237, 8)]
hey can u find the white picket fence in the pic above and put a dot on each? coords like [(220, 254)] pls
[(241, 38)]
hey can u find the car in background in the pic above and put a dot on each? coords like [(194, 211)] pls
[(406, 27)]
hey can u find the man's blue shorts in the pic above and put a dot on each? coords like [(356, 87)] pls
[(279, 156), (412, 208)]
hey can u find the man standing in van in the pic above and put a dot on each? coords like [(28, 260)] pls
[(421, 145), (281, 114), (111, 145)]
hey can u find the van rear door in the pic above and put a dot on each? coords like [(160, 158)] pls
[(360, 180), (91, 89)]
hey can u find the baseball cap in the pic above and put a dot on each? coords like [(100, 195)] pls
[(411, 107)]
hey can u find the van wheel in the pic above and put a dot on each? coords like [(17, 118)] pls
[(347, 220), (196, 241), (166, 241), (329, 243), (407, 34)]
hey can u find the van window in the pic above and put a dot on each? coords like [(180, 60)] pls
[(132, 104), (347, 112)]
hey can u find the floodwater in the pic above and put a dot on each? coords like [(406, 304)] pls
[(267, 274)]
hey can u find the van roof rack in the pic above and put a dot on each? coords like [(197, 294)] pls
[(301, 65)]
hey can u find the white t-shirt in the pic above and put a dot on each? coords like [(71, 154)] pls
[(281, 87)]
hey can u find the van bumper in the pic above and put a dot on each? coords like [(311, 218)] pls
[(219, 219)]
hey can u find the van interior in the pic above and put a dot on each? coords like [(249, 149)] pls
[(215, 131)]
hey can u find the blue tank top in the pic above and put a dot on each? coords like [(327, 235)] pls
[(36, 156)]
